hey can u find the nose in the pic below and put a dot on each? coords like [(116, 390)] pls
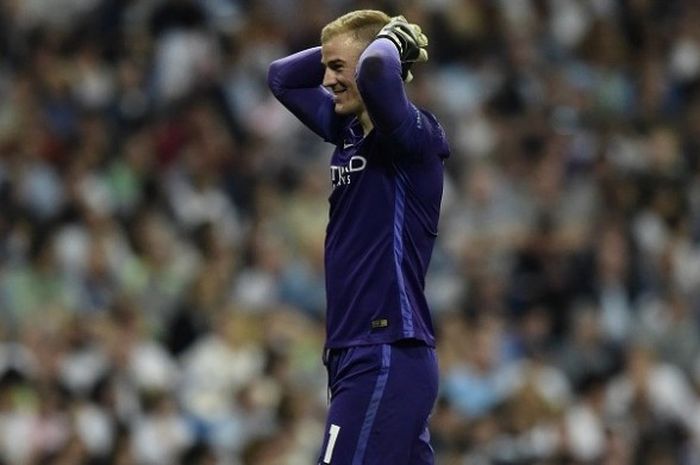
[(329, 78)]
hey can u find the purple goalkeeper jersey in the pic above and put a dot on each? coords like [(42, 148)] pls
[(385, 202)]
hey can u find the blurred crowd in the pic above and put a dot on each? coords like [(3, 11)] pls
[(162, 226)]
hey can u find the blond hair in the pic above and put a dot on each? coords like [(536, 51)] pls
[(363, 24)]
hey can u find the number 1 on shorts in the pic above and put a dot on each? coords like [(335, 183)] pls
[(332, 436)]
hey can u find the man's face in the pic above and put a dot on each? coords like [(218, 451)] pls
[(339, 56)]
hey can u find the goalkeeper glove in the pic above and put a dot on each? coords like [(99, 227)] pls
[(409, 40)]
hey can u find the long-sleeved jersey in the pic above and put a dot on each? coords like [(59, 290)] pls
[(385, 200)]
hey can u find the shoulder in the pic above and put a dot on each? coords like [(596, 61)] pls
[(437, 139), (434, 127), (421, 134)]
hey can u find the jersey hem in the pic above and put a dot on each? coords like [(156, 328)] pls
[(430, 342)]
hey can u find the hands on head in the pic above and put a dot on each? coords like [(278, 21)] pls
[(410, 41)]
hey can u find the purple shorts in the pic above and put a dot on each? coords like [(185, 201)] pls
[(381, 398)]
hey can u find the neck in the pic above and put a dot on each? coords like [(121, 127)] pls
[(366, 122)]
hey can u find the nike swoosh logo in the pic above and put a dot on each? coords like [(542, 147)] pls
[(346, 145)]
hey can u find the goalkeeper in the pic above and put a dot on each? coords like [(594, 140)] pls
[(386, 175)]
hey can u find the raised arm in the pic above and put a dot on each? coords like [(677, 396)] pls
[(296, 81), (381, 86)]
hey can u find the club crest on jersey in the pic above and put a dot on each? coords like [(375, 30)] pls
[(341, 175)]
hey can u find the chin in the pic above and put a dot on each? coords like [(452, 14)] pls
[(342, 110), (347, 108)]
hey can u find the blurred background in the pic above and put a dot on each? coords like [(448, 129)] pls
[(162, 225)]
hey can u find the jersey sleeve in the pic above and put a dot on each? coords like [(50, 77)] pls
[(382, 89), (296, 81)]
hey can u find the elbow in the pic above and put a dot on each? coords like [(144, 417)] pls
[(379, 61), (376, 66), (369, 73), (370, 68), (273, 77)]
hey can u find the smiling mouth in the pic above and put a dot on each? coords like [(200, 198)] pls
[(338, 93)]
